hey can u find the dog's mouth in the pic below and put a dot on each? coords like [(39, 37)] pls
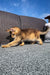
[(9, 38)]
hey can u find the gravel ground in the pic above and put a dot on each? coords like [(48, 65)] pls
[(25, 60)]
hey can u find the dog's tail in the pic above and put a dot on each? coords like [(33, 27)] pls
[(45, 32)]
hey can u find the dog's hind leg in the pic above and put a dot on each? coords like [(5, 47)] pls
[(39, 41)]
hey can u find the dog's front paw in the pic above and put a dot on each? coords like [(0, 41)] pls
[(4, 46)]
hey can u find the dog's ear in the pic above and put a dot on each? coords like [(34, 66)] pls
[(10, 30)]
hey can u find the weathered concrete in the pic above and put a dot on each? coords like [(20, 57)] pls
[(25, 60)]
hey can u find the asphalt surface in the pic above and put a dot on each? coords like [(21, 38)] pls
[(25, 60)]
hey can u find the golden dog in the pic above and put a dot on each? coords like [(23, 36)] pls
[(21, 35)]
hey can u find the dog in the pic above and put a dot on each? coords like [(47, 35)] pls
[(47, 36), (22, 35)]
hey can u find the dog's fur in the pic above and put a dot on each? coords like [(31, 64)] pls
[(47, 24), (21, 35), (47, 36)]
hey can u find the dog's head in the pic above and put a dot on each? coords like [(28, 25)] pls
[(14, 31)]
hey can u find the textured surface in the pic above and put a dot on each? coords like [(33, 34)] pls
[(32, 22), (25, 60), (7, 20)]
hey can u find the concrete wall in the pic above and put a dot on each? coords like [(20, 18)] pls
[(31, 22)]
